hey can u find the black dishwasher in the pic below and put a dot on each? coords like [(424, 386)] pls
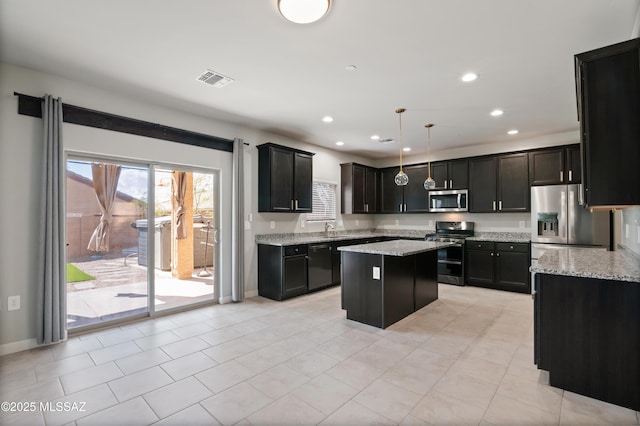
[(319, 266)]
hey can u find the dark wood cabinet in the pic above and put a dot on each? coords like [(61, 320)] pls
[(587, 336), (498, 265), (513, 193), (282, 271), (358, 184), (416, 199), (285, 179), (608, 94), (453, 174), (555, 165), (499, 183), (411, 198), (482, 184)]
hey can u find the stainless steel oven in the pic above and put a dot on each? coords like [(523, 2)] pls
[(451, 258), (450, 200)]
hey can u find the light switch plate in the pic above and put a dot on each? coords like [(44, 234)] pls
[(272, 225), (376, 272), (13, 303)]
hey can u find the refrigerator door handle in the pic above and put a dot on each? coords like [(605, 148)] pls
[(562, 220), (571, 216)]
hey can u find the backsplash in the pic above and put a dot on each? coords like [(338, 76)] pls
[(630, 232)]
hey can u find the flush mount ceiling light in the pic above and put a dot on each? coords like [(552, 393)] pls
[(339, 143), (512, 132), (375, 137), (401, 178), (429, 183), (468, 77), (497, 112), (303, 11), (406, 149), (327, 119)]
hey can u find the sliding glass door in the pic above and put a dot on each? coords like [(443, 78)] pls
[(141, 238)]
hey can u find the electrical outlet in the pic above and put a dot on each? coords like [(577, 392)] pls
[(522, 224), (376, 272), (302, 223), (397, 222), (627, 231), (430, 224), (357, 222), (272, 225), (13, 303)]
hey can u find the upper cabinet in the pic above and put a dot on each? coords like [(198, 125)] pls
[(411, 198), (285, 179), (608, 94), (451, 174), (499, 183), (359, 188), (554, 166)]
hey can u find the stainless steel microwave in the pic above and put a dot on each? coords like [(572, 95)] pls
[(450, 200)]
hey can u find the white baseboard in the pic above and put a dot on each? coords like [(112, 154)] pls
[(251, 293), (22, 345)]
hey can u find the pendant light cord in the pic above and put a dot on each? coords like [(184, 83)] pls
[(400, 111), (429, 149)]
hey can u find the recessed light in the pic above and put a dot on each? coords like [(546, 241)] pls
[(470, 76), (406, 149), (375, 137), (327, 119), (512, 132), (339, 143), (350, 67), (497, 112)]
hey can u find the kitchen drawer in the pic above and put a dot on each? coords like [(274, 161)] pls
[(515, 247), (295, 250), (480, 245)]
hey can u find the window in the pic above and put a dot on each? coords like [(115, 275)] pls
[(323, 202)]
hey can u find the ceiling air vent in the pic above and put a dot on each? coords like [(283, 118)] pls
[(386, 141), (215, 79)]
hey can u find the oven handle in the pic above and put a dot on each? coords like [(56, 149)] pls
[(450, 262)]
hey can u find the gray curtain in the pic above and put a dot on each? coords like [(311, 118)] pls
[(105, 183), (179, 192), (237, 223), (52, 308)]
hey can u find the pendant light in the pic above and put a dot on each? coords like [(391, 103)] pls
[(429, 183), (401, 178)]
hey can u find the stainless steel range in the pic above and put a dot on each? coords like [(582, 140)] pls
[(451, 259)]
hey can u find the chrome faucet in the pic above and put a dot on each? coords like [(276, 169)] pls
[(327, 227)]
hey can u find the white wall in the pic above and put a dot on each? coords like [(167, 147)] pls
[(630, 229), (20, 138)]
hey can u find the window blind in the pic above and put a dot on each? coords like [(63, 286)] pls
[(323, 202)]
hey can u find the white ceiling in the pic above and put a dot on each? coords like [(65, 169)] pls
[(408, 53)]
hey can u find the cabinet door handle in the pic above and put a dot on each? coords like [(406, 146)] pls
[(400, 207), (405, 207), (511, 247), (450, 183), (494, 205), (570, 175), (445, 184), (500, 205), (497, 254), (492, 254), (561, 176), (296, 204), (366, 207), (292, 208)]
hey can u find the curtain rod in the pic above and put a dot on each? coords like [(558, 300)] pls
[(32, 106)]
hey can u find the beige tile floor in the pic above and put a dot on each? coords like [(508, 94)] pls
[(465, 359)]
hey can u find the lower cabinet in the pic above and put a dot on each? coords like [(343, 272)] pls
[(498, 265), (282, 271)]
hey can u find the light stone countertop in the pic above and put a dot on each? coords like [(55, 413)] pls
[(321, 237), (395, 247), (502, 237), (619, 265)]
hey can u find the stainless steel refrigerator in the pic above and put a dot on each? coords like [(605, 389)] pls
[(558, 219)]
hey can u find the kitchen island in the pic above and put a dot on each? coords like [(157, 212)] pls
[(587, 323), (386, 281)]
